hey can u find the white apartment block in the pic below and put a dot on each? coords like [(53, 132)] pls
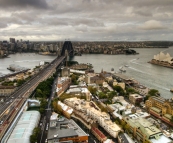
[(93, 111)]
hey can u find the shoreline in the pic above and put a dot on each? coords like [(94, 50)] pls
[(159, 63)]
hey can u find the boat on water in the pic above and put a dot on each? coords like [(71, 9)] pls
[(122, 69), (126, 65), (171, 90)]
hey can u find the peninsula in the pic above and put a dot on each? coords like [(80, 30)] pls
[(162, 59)]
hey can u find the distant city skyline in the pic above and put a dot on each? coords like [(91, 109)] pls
[(86, 20)]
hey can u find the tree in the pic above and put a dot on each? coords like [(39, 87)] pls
[(74, 79), (39, 93), (33, 137), (119, 89), (93, 90), (123, 123), (131, 91), (55, 105), (20, 82), (171, 119), (42, 110), (111, 94), (127, 128), (153, 92), (102, 95)]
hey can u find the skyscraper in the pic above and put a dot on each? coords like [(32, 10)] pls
[(12, 40)]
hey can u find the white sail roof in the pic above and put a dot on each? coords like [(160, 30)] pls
[(164, 57)]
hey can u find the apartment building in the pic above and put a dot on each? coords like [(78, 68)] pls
[(143, 130), (91, 109), (62, 85), (161, 108)]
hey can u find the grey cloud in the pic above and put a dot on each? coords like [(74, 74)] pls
[(23, 3), (3, 25), (87, 19)]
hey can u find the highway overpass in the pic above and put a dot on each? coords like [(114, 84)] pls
[(14, 102)]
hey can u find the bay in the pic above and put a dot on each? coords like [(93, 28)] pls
[(28, 60), (152, 76)]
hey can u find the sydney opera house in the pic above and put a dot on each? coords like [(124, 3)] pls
[(162, 60)]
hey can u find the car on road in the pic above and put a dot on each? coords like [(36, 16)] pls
[(47, 127), (1, 122)]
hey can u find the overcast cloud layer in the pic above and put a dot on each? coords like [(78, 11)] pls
[(88, 20)]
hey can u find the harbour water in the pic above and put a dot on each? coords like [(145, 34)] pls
[(152, 76), (28, 60)]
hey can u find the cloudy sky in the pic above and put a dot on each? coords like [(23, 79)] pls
[(89, 20)]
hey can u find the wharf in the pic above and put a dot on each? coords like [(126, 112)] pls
[(127, 80)]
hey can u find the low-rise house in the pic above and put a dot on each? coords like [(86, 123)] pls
[(6, 90), (94, 78), (98, 134), (135, 99)]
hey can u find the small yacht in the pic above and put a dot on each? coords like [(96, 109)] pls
[(122, 69)]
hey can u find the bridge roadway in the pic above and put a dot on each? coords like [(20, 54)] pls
[(22, 94)]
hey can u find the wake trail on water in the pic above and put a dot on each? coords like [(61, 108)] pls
[(140, 64), (132, 60), (139, 71), (32, 60)]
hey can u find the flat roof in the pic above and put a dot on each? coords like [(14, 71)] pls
[(65, 133), (162, 139), (159, 99), (156, 109), (64, 129), (123, 138), (148, 128), (24, 128)]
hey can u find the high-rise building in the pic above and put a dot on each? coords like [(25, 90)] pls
[(12, 40)]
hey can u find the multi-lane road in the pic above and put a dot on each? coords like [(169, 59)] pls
[(44, 124), (15, 100)]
